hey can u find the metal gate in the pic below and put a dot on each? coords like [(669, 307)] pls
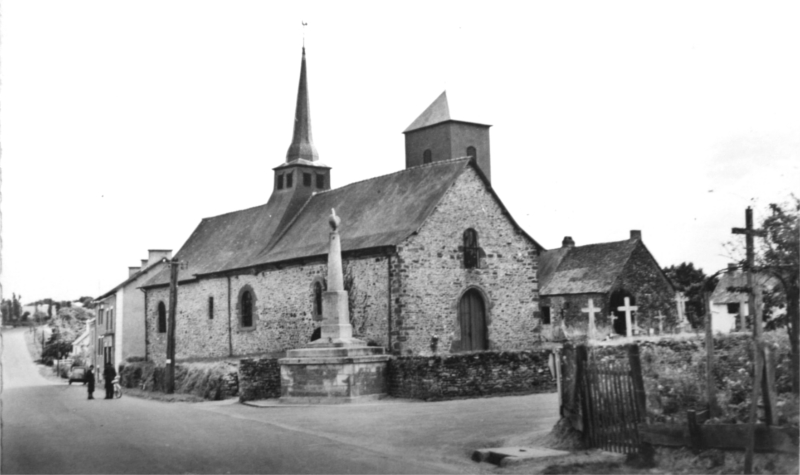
[(612, 401)]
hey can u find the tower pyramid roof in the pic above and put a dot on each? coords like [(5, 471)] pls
[(438, 111)]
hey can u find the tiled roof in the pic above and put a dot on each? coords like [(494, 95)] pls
[(378, 212), (584, 269)]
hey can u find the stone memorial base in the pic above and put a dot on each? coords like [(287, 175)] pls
[(333, 373)]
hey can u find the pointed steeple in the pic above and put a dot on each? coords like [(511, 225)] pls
[(302, 143)]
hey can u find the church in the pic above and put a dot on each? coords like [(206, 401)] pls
[(433, 261)]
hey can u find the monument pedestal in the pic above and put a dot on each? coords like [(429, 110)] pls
[(334, 374), (337, 368)]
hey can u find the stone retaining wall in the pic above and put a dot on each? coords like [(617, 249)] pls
[(428, 377), (259, 379), (470, 374)]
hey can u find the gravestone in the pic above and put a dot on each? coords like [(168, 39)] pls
[(336, 368), (628, 309)]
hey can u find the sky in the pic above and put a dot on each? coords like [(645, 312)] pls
[(123, 124)]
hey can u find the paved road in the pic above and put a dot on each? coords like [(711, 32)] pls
[(50, 427)]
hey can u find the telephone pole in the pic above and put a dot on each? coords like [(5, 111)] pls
[(173, 307)]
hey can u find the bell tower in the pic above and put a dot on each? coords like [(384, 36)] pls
[(302, 174), (434, 136)]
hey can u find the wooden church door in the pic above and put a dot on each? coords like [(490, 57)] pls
[(472, 319)]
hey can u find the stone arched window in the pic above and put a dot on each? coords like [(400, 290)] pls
[(247, 308), (471, 152), (162, 318), (471, 249), (427, 157)]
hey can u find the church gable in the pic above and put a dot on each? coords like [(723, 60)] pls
[(442, 268)]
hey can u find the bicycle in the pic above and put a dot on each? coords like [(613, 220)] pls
[(117, 388)]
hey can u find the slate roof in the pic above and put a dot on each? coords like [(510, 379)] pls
[(130, 279), (375, 213), (721, 295), (583, 269), (438, 111)]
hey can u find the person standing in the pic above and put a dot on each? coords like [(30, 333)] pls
[(109, 374), (90, 381)]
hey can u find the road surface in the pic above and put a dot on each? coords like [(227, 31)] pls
[(50, 427)]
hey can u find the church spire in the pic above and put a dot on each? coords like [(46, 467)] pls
[(302, 143)]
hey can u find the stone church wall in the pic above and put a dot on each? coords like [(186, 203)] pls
[(428, 275), (283, 313)]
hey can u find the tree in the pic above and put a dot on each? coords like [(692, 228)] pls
[(685, 278), (779, 255)]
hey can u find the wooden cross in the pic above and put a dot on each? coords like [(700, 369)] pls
[(660, 318), (628, 309), (591, 310)]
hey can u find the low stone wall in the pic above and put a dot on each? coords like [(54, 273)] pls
[(214, 381), (470, 374), (259, 379), (428, 377)]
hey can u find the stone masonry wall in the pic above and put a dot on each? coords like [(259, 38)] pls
[(643, 278), (470, 374), (428, 275), (259, 379), (283, 314), (568, 309)]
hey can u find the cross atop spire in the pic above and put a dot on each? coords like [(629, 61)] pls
[(302, 143)]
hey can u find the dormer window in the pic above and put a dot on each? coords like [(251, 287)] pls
[(320, 181), (306, 179), (426, 156), (471, 152), (280, 182), (289, 179)]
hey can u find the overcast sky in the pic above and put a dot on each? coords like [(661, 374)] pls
[(126, 123)]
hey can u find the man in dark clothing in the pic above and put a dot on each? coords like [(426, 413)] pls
[(109, 373), (90, 381)]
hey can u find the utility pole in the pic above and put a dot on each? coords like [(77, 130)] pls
[(173, 307), (755, 310)]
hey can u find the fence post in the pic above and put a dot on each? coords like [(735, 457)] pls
[(638, 381), (580, 387)]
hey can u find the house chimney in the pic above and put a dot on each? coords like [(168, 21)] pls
[(133, 270), (155, 255), (732, 267), (568, 242), (144, 263), (636, 234)]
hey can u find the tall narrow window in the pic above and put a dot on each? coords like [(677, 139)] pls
[(162, 318), (471, 152), (426, 156), (306, 179), (280, 182), (247, 309), (320, 181), (318, 299), (471, 250), (546, 315), (289, 179), (211, 308)]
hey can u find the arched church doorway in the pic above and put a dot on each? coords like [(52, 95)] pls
[(472, 320), (617, 300)]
